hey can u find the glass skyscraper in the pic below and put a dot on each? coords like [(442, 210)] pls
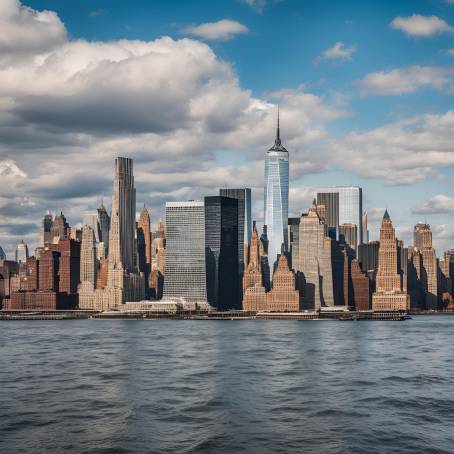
[(276, 197), (350, 209), (221, 240), (185, 272)]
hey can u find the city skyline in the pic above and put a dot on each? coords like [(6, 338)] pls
[(350, 115)]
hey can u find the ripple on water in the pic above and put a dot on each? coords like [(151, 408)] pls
[(253, 387)]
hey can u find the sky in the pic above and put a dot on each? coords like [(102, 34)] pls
[(190, 91)]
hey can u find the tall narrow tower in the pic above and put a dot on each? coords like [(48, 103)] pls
[(276, 197), (389, 294)]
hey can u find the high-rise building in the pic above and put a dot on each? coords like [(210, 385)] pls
[(244, 197), (88, 258), (221, 241), (21, 252), (124, 282), (276, 197), (330, 200), (91, 219), (104, 227), (185, 267), (389, 293), (59, 228), (293, 239), (365, 228), (144, 244), (2, 254), (368, 257), (360, 285), (69, 265), (348, 234), (252, 276), (158, 261), (350, 205), (428, 264), (45, 230), (313, 266)]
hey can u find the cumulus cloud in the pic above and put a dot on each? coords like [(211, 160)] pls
[(407, 80), (338, 52), (400, 153), (223, 30), (26, 31), (421, 26), (439, 204)]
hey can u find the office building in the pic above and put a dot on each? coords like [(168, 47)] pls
[(313, 265), (185, 266), (389, 294), (276, 198), (21, 252), (221, 246)]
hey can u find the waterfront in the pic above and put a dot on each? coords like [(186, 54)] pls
[(227, 386)]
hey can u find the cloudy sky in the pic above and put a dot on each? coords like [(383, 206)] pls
[(189, 90)]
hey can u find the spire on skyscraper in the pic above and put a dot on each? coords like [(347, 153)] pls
[(277, 141)]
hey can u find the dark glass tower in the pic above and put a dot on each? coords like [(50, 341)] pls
[(221, 247)]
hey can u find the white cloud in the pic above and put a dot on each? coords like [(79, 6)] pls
[(439, 204), (221, 30), (24, 30), (421, 26), (338, 52), (407, 80), (10, 170), (399, 153)]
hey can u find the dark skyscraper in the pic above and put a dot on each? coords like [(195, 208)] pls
[(293, 239), (221, 240), (244, 197), (331, 202), (45, 231)]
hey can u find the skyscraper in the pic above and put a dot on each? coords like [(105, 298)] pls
[(144, 244), (59, 228), (293, 240), (104, 226), (88, 259), (124, 282), (428, 262), (389, 294), (244, 197), (221, 240), (314, 267), (45, 230), (276, 197), (185, 268), (330, 200), (124, 208), (348, 233), (350, 206), (21, 252)]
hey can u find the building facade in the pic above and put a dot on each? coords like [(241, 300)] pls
[(276, 191), (314, 264), (389, 294), (185, 266)]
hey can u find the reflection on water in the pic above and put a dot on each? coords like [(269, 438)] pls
[(228, 386)]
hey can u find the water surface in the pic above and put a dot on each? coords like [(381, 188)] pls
[(125, 386)]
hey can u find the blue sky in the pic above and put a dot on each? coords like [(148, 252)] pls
[(365, 90)]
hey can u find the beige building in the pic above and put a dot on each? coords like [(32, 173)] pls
[(283, 297), (313, 260), (422, 236), (124, 282), (389, 294)]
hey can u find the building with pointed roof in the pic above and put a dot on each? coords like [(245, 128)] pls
[(389, 294), (276, 189)]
